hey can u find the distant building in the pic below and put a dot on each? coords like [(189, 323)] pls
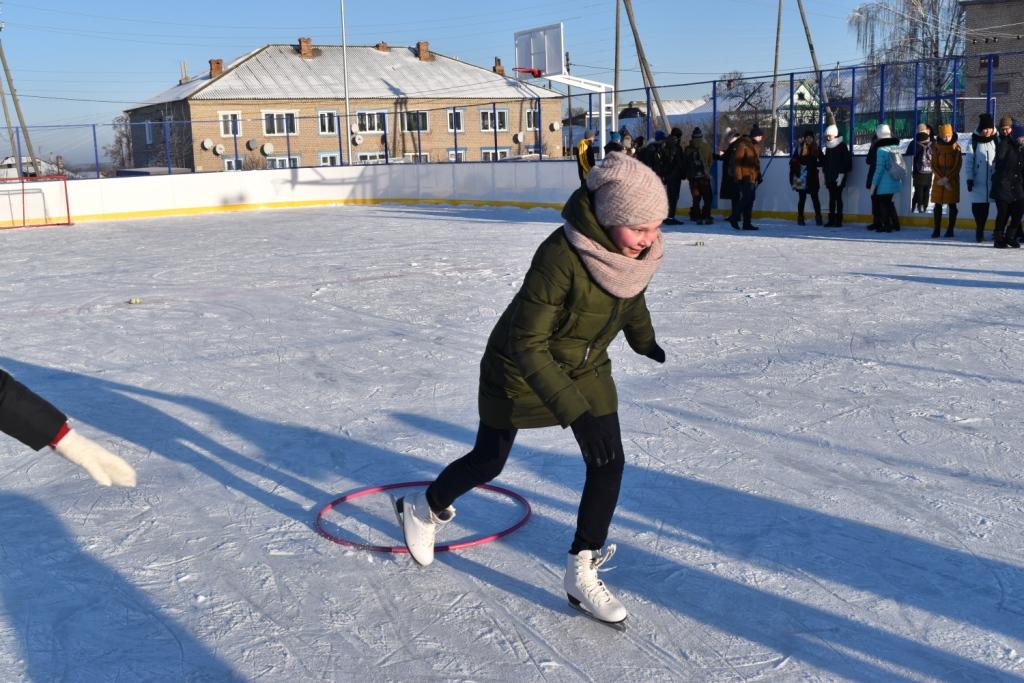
[(994, 26), (9, 167), (284, 107)]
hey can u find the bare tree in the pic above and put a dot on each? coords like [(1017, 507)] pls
[(909, 30), (120, 150)]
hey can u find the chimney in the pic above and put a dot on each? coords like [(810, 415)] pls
[(184, 74), (423, 51), (498, 68), (216, 67), (306, 48), (382, 47)]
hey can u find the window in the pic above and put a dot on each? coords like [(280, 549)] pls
[(372, 121), (283, 162), (230, 123), (413, 121), (492, 154), (279, 123), (329, 159), (457, 154), (149, 133), (230, 165), (455, 120), (801, 97), (532, 119), (414, 158), (531, 149), (487, 119), (328, 122), (371, 157)]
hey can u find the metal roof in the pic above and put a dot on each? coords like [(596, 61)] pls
[(277, 72)]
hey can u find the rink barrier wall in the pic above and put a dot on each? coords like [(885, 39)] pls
[(515, 184)]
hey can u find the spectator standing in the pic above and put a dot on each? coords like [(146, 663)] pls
[(672, 172), (872, 161), (698, 158), (947, 159), (1008, 187), (922, 175), (804, 176), (979, 173), (838, 164), (888, 178), (747, 173), (586, 156), (728, 189)]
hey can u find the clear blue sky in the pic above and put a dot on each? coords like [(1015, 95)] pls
[(101, 57)]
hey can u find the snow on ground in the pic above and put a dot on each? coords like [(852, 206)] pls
[(823, 482)]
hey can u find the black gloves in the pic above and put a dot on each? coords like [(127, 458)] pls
[(970, 186), (599, 438), (656, 354)]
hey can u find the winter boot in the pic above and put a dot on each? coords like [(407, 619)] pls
[(587, 592), (979, 234), (817, 219), (951, 230), (800, 218), (420, 524)]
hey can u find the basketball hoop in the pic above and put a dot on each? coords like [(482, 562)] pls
[(532, 70)]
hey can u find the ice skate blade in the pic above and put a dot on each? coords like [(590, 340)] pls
[(576, 605)]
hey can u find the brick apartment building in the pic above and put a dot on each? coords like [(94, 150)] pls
[(994, 26), (283, 106)]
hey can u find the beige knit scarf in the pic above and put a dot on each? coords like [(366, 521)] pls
[(617, 274)]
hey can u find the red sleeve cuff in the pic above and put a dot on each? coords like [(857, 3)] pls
[(61, 433)]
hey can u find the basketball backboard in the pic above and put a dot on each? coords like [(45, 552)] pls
[(542, 49)]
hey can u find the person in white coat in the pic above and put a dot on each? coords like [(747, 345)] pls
[(979, 172)]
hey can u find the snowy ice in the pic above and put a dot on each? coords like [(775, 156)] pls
[(823, 482)]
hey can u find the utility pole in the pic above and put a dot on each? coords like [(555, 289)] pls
[(17, 109), (775, 84), (344, 69), (615, 93), (645, 68), (814, 60)]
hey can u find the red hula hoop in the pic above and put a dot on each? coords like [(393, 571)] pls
[(401, 548)]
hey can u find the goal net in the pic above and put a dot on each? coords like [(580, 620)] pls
[(34, 201)]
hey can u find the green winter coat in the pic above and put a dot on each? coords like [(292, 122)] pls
[(546, 361)]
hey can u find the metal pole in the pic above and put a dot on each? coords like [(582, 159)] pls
[(17, 137), (455, 130), (645, 67), (17, 109), (7, 120), (615, 92), (540, 136), (167, 144), (853, 108), (344, 72), (917, 107), (337, 129), (96, 149), (952, 112), (881, 98), (494, 127), (384, 141), (792, 112), (715, 142), (775, 82), (814, 59), (988, 87), (234, 134), (419, 138), (821, 108), (649, 112), (287, 143)]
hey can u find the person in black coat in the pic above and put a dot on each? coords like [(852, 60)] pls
[(838, 164), (672, 172), (804, 176), (871, 160), (1008, 186), (728, 189), (33, 421)]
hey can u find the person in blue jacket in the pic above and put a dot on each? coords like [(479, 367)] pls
[(888, 178)]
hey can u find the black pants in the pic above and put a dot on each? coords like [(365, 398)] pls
[(1008, 213), (953, 213), (876, 211), (746, 193), (922, 189), (672, 188), (700, 191), (802, 201), (487, 459), (27, 416), (980, 211), (835, 203), (888, 220)]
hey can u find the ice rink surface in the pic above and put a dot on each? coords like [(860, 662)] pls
[(824, 481)]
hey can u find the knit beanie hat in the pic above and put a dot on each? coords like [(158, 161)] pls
[(832, 130), (985, 121), (697, 134), (756, 131), (626, 192), (945, 129), (659, 135), (1006, 122), (883, 131), (615, 137), (922, 128)]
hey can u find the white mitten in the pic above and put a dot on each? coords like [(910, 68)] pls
[(102, 465)]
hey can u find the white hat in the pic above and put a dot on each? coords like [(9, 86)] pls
[(883, 131), (832, 130)]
